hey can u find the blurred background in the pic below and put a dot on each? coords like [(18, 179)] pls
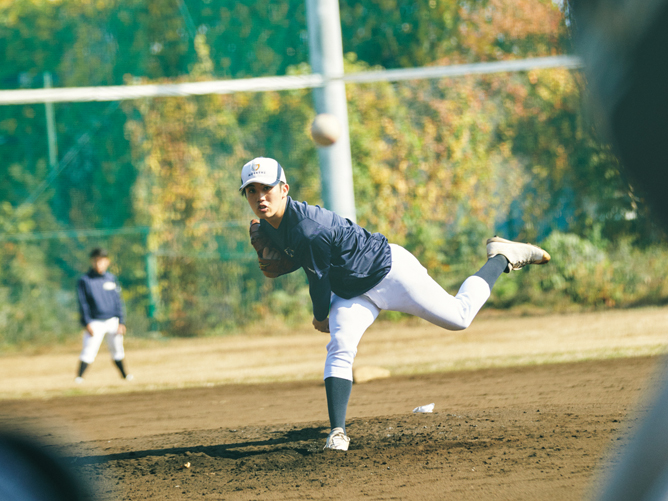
[(439, 165)]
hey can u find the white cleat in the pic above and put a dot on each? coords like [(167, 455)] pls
[(337, 440), (518, 254), (78, 380), (129, 377)]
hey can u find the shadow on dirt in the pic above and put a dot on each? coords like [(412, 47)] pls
[(300, 441)]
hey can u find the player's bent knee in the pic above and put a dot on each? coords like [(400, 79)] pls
[(339, 362), (458, 324), (341, 344), (339, 366), (464, 319), (344, 357), (464, 324)]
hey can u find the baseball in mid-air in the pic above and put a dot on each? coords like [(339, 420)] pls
[(325, 129)]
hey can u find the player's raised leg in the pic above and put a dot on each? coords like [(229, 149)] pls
[(518, 254), (408, 288)]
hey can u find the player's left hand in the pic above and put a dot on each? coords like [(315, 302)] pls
[(273, 262), (321, 325), (121, 330)]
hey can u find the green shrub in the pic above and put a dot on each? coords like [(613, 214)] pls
[(584, 275)]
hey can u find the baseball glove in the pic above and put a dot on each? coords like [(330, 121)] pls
[(273, 262)]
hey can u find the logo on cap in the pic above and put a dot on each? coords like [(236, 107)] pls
[(262, 170)]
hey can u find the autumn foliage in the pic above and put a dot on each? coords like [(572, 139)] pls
[(439, 165)]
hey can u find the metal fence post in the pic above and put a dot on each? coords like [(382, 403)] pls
[(151, 284)]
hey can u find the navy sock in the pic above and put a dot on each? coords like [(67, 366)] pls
[(492, 269), (82, 368), (119, 364), (338, 394)]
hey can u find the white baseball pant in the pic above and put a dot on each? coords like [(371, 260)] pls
[(91, 343), (407, 288)]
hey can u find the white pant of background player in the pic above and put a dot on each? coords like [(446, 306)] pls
[(91, 343), (407, 288)]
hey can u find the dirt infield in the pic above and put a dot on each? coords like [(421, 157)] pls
[(537, 432), (405, 349), (525, 408)]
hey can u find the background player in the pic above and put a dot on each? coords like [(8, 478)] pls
[(353, 275), (101, 309)]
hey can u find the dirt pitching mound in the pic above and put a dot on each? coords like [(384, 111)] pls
[(541, 432)]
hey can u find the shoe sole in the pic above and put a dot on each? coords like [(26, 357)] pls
[(334, 449), (546, 255)]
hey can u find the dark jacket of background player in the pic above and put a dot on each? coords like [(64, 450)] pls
[(97, 299)]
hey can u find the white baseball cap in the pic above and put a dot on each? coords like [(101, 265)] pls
[(262, 170)]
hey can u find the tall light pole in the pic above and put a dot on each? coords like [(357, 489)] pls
[(326, 57)]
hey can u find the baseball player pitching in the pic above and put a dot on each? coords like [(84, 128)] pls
[(101, 310), (353, 275)]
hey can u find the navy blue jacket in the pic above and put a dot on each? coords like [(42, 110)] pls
[(99, 297), (336, 254)]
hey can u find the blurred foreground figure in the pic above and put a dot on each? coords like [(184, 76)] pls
[(624, 45), (29, 473)]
